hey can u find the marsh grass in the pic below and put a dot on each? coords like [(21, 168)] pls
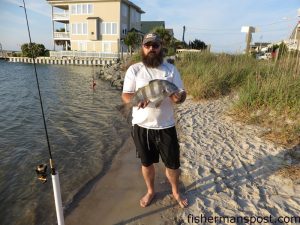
[(268, 92)]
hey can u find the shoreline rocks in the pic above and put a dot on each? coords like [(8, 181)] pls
[(115, 73)]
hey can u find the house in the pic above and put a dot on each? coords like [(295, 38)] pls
[(147, 26), (171, 31), (260, 47), (94, 25)]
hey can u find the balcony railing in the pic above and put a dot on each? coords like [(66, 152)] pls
[(82, 54), (62, 35), (61, 16)]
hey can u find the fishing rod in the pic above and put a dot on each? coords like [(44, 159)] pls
[(41, 169)]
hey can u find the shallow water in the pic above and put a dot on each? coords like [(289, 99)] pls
[(85, 132)]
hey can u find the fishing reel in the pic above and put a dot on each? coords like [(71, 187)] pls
[(41, 172)]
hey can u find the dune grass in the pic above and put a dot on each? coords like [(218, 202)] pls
[(268, 92)]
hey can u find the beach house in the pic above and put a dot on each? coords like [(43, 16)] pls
[(93, 28)]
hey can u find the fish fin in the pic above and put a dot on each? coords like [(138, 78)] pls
[(125, 110), (151, 81), (158, 101)]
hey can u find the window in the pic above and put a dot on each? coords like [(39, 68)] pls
[(84, 28), (81, 9), (84, 9), (90, 8), (114, 28), (74, 28), (79, 28), (124, 29), (109, 28), (73, 9)]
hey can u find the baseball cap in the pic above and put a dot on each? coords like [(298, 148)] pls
[(151, 37)]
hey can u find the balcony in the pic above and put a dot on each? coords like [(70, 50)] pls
[(61, 36), (61, 17)]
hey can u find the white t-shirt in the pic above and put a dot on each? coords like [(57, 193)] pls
[(137, 76)]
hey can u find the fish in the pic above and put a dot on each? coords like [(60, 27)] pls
[(155, 92)]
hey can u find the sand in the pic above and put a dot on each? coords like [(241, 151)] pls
[(228, 169)]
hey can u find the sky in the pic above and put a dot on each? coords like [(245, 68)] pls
[(216, 22)]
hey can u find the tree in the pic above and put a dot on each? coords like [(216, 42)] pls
[(197, 44), (164, 35), (33, 48), (169, 42), (132, 40)]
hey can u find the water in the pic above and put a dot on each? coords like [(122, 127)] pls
[(85, 132)]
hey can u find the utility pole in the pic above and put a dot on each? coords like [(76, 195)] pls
[(249, 31), (183, 34), (53, 28), (248, 41)]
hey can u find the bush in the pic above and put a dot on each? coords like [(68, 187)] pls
[(33, 50), (269, 92)]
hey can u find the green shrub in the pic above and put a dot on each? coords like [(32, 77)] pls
[(268, 87)]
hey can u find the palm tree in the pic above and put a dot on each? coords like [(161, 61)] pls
[(61, 42), (164, 35)]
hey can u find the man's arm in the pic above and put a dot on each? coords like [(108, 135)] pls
[(126, 97)]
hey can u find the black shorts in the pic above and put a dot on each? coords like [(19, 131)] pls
[(151, 143)]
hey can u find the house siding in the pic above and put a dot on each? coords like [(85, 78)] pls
[(101, 30)]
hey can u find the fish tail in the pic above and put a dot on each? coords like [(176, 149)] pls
[(125, 110)]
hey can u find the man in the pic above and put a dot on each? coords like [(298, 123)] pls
[(153, 129)]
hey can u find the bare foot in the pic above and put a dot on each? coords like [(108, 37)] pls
[(183, 202), (146, 200)]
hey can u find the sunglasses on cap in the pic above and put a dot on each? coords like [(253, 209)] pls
[(154, 45)]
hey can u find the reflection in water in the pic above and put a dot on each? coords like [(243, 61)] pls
[(84, 128)]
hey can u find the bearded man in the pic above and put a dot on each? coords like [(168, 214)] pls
[(153, 128)]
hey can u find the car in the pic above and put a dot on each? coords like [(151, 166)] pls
[(264, 56)]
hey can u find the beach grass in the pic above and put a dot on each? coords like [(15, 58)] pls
[(268, 91)]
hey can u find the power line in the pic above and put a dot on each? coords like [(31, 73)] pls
[(238, 28)]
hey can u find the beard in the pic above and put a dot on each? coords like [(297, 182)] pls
[(153, 59)]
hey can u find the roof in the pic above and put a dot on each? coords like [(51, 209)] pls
[(261, 44), (61, 2), (147, 26), (171, 31), (133, 5)]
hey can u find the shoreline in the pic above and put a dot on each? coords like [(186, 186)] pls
[(226, 170), (114, 199)]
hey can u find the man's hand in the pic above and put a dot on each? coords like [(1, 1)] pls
[(178, 97), (143, 104)]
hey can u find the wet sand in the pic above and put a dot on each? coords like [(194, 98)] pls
[(227, 170), (115, 198)]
